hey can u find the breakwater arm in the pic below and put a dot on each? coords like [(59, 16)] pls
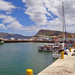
[(17, 41)]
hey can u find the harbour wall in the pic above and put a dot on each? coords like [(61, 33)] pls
[(17, 41), (64, 66)]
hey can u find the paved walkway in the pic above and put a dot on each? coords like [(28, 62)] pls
[(64, 66)]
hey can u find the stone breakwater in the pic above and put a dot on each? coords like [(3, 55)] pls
[(64, 66)]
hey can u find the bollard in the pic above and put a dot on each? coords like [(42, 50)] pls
[(74, 46), (62, 55), (29, 72), (70, 49)]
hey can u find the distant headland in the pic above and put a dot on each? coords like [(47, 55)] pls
[(41, 36)]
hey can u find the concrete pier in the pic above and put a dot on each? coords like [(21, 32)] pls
[(64, 66)]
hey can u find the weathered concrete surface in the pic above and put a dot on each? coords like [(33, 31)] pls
[(64, 66)]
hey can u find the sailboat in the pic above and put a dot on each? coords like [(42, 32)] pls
[(57, 53)]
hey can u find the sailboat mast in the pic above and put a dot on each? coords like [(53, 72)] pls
[(63, 19), (65, 34), (64, 25)]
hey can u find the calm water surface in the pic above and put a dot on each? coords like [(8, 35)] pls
[(16, 58)]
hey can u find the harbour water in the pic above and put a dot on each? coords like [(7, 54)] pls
[(16, 58)]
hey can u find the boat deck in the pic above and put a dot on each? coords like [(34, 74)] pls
[(64, 66)]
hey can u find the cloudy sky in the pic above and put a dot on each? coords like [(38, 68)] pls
[(27, 17)]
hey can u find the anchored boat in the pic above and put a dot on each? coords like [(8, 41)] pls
[(46, 48), (57, 53), (49, 47), (1, 42)]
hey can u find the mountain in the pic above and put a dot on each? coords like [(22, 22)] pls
[(50, 33), (16, 36)]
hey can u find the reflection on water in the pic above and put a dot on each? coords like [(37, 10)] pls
[(16, 58)]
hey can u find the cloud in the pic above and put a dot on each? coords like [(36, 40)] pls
[(8, 12), (15, 25), (12, 22), (42, 13), (24, 9), (6, 6), (37, 15), (7, 19), (19, 7), (37, 10), (2, 26), (41, 10), (23, 1), (55, 24)]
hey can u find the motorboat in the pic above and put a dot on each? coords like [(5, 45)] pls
[(57, 51), (46, 48), (49, 47), (56, 55), (1, 42)]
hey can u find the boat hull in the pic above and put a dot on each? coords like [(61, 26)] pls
[(56, 56), (45, 49), (2, 42)]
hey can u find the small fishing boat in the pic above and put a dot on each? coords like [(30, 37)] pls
[(45, 48), (57, 54), (57, 51), (49, 47), (1, 42)]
